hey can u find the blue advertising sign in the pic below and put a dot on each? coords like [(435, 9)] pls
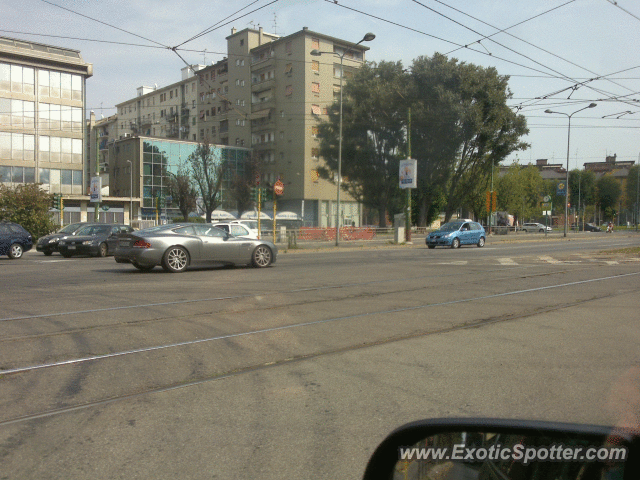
[(561, 191)]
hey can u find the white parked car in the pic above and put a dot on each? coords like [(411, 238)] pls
[(237, 229), (535, 227)]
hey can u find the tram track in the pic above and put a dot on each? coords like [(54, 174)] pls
[(248, 369)]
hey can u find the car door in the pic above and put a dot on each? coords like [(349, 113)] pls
[(466, 235), (213, 243), (112, 239), (5, 239)]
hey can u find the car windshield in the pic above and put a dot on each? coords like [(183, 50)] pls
[(91, 230), (450, 227), (70, 228)]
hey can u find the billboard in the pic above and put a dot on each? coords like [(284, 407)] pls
[(95, 189), (408, 173)]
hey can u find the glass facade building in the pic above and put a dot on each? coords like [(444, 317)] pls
[(158, 159)]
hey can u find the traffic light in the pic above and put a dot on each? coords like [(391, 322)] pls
[(494, 200), (56, 201), (161, 201)]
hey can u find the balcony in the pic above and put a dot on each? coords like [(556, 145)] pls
[(172, 117), (263, 85)]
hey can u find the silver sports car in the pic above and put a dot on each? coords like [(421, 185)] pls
[(176, 246)]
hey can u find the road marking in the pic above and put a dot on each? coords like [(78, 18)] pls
[(611, 262), (506, 261), (457, 262), (91, 358), (548, 259)]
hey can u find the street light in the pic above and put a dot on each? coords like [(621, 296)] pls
[(130, 191), (316, 53), (566, 196)]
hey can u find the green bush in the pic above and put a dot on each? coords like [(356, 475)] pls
[(27, 205)]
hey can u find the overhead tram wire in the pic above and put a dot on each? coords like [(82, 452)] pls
[(566, 77), (525, 41), (559, 76), (104, 23), (504, 30), (615, 4), (217, 24)]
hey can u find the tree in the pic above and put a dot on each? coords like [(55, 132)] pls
[(582, 187), (27, 205), (182, 191), (207, 172), (519, 191), (631, 188), (242, 185), (374, 115), (462, 127), (609, 191)]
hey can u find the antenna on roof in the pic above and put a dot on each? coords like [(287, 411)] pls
[(275, 23), (204, 57)]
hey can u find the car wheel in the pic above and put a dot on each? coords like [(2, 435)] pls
[(541, 230), (455, 243), (15, 251), (261, 257), (143, 268), (481, 242), (175, 260), (103, 250), (431, 246), (47, 253)]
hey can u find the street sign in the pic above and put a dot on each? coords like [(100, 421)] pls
[(547, 198), (278, 188)]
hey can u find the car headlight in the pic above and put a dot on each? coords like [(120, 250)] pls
[(53, 240), (88, 242)]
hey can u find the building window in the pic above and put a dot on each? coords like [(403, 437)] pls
[(315, 87), (315, 153), (288, 91), (315, 43), (288, 68), (315, 66), (288, 47), (315, 109)]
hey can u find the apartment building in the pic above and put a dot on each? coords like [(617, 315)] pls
[(269, 94), (42, 104)]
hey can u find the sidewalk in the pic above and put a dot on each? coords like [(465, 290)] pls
[(418, 240)]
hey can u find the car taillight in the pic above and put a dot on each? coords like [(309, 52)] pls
[(142, 244)]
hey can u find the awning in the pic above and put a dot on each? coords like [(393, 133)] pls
[(253, 215)]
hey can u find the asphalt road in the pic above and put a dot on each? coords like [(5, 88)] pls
[(299, 370)]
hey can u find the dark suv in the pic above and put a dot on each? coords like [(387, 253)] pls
[(14, 240)]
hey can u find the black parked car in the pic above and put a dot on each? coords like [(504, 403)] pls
[(14, 240), (98, 239), (588, 227), (49, 243)]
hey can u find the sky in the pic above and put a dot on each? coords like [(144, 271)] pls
[(560, 55)]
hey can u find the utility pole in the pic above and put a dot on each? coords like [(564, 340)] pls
[(407, 221), (96, 211)]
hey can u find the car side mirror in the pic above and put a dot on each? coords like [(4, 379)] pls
[(487, 449)]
